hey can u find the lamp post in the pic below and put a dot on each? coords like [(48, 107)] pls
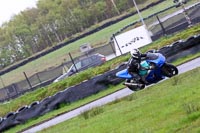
[(138, 11), (142, 20)]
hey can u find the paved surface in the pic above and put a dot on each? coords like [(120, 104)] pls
[(189, 65), (117, 95), (76, 112)]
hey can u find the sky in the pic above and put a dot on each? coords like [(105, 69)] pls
[(9, 8)]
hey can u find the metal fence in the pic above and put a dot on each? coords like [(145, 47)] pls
[(41, 79), (167, 25), (170, 24)]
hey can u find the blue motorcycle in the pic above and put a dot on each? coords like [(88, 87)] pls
[(161, 70)]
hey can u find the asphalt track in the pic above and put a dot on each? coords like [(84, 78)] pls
[(107, 99)]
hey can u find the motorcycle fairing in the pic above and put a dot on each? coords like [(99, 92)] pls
[(159, 61), (154, 76), (124, 74)]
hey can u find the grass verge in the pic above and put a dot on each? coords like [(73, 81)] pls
[(41, 93), (79, 103), (166, 107)]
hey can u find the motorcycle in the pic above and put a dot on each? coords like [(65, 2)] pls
[(161, 70)]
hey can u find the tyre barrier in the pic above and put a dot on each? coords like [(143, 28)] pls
[(87, 88), (181, 48)]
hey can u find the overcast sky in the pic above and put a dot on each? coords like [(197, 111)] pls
[(8, 8)]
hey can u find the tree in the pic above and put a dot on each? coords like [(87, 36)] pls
[(53, 21)]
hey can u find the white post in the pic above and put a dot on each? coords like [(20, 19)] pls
[(141, 18), (139, 13)]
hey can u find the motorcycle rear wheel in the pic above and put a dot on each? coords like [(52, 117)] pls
[(169, 70)]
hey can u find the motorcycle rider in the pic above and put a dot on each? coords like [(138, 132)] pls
[(134, 66)]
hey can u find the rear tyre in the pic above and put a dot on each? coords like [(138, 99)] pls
[(169, 70)]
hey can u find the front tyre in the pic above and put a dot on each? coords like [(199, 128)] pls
[(169, 70)]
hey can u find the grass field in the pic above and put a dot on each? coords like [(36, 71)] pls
[(82, 102), (61, 55), (33, 96), (171, 106), (50, 90)]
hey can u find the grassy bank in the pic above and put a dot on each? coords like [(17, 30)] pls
[(186, 58), (47, 91), (171, 106), (52, 89), (79, 103)]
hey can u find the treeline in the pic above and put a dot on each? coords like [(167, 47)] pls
[(53, 21)]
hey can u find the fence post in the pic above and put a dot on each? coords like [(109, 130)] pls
[(7, 92), (38, 78), (117, 43), (161, 25), (112, 47), (15, 88), (73, 61), (29, 83)]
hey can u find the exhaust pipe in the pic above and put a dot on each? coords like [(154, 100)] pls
[(131, 84), (141, 86)]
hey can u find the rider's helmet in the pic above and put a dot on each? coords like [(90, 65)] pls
[(135, 53)]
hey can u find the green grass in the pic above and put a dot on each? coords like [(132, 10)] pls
[(86, 100), (66, 108), (41, 93), (186, 58), (52, 89), (163, 108), (58, 57)]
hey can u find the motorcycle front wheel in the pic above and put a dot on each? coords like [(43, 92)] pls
[(169, 70)]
